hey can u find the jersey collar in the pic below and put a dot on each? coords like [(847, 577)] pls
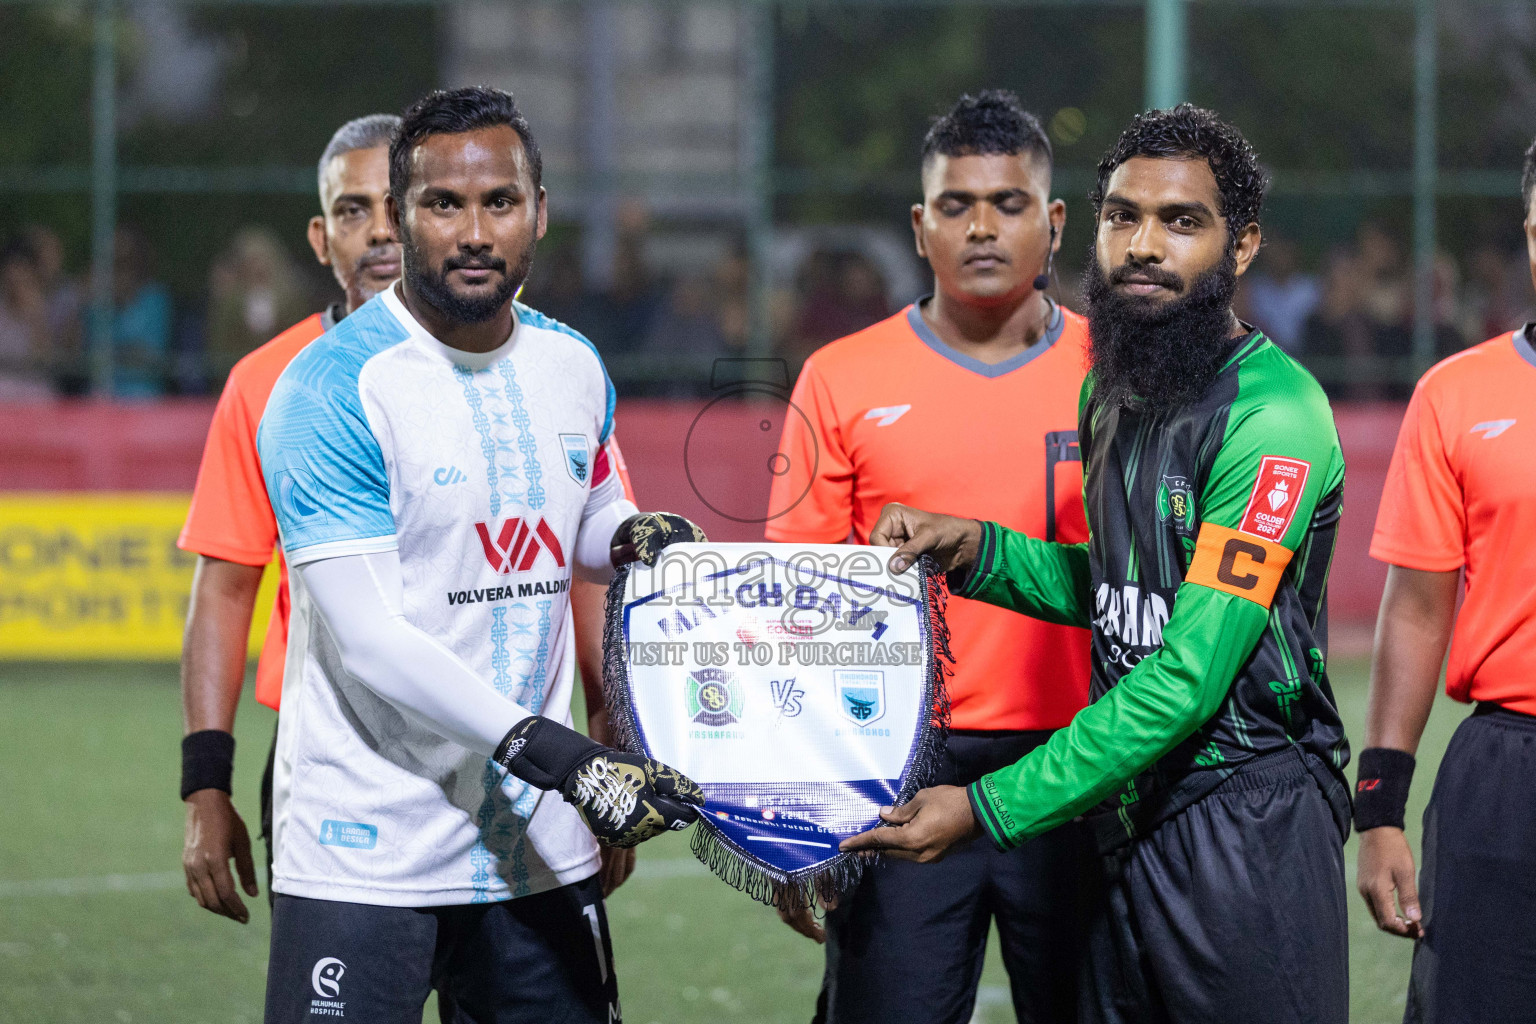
[(1057, 322), (1523, 339), (457, 356)]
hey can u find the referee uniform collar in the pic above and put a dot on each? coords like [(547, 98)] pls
[(1055, 322)]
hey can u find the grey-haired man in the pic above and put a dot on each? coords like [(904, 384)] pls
[(231, 528)]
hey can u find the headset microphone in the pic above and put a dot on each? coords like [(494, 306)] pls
[(1043, 281)]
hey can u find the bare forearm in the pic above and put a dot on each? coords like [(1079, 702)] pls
[(213, 647), (1412, 632)]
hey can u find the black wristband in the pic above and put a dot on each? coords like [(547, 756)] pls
[(543, 753), (1381, 794), (207, 761)]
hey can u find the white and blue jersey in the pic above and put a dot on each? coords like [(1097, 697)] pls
[(478, 469)]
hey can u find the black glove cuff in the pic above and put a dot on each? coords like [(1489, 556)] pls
[(1381, 794), (543, 753), (207, 761)]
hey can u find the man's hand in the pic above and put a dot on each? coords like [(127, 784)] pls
[(617, 866), (623, 798), (215, 834), (1386, 871), (952, 542), (803, 921), (641, 538), (927, 827)]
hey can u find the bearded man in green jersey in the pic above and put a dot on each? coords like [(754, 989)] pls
[(1210, 761)]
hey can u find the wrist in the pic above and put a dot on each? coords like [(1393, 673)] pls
[(543, 753), (1381, 789), (207, 761), (973, 561)]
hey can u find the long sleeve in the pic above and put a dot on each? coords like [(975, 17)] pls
[(1033, 577), (1279, 457), (360, 597)]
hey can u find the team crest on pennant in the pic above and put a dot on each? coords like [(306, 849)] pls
[(798, 686), (860, 694), (578, 461), (712, 698)]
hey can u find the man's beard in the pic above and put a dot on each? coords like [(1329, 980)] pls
[(1158, 355), (433, 288)]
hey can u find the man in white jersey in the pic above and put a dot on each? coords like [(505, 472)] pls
[(438, 467)]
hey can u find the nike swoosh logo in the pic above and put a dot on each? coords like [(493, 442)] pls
[(1493, 428), (888, 414)]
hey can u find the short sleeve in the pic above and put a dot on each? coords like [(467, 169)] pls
[(1279, 460), (1421, 522), (323, 464), (816, 465), (230, 517)]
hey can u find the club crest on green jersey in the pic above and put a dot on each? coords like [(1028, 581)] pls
[(1176, 502), (713, 698)]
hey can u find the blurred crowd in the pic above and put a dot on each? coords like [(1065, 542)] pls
[(1351, 319), (1348, 316)]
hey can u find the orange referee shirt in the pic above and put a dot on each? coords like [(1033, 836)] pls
[(892, 413), (231, 517), (1461, 492)]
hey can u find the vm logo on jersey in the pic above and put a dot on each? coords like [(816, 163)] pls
[(517, 543), (1276, 493)]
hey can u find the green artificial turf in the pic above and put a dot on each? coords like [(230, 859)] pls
[(95, 926)]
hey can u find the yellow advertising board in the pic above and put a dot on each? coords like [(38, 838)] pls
[(99, 576)]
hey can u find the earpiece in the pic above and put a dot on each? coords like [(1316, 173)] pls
[(1043, 281)]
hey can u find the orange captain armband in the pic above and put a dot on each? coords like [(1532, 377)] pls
[(1238, 563)]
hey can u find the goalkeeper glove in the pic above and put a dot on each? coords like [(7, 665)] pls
[(624, 799), (641, 537)]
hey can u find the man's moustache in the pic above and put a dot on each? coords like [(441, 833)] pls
[(1146, 275), (495, 263)]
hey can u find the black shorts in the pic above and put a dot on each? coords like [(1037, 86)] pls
[(910, 942), (1232, 910), (532, 960), (1477, 882)]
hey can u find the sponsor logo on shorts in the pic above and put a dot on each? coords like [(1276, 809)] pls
[(352, 834), (1276, 494), (325, 979)]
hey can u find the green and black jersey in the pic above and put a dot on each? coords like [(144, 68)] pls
[(1204, 581)]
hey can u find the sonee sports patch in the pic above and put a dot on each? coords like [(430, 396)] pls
[(1276, 494)]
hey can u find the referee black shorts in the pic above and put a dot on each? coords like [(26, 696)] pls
[(909, 943), (1477, 881), (1233, 910), (533, 960)]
